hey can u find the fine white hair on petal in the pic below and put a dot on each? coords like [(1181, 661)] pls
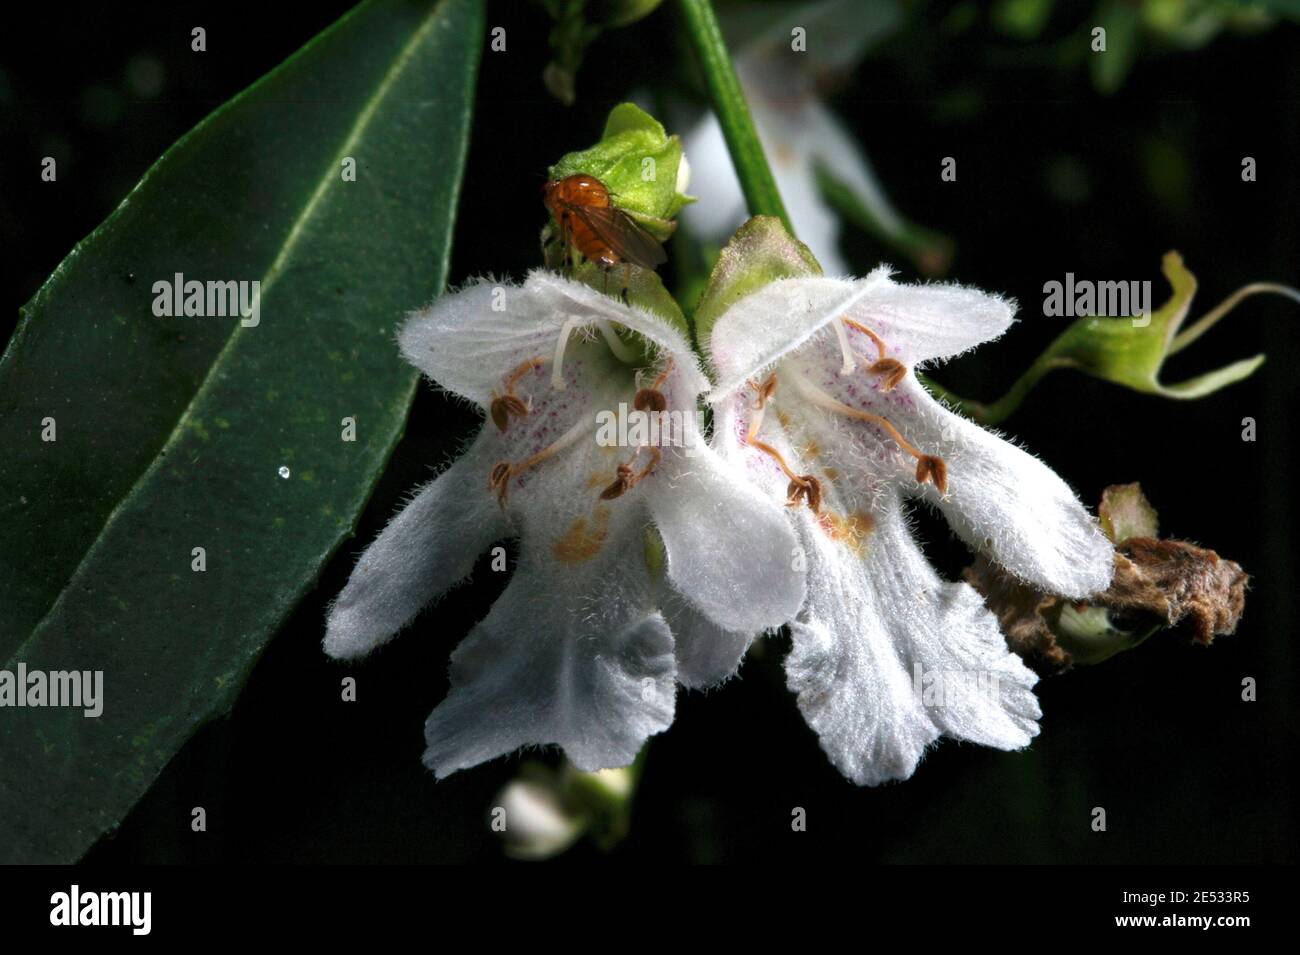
[(470, 339), (886, 657), (427, 547), (918, 323), (570, 655), (578, 299), (765, 326), (933, 321), (1006, 503), (729, 547), (707, 654)]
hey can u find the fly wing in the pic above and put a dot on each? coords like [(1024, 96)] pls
[(621, 233)]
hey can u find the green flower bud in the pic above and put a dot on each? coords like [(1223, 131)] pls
[(642, 167), (636, 286), (760, 252)]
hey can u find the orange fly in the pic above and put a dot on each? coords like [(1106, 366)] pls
[(590, 224)]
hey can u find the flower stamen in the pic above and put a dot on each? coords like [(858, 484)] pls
[(507, 403), (620, 349), (765, 392), (846, 350), (557, 365), (503, 472), (626, 478), (802, 487), (652, 398), (891, 370), (928, 466)]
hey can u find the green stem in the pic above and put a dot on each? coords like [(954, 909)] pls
[(997, 411), (756, 180)]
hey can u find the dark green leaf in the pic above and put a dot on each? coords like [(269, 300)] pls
[(172, 432)]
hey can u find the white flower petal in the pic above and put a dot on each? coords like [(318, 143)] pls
[(1005, 502), (574, 655), (765, 326), (918, 323), (706, 653), (729, 548), (430, 545), (558, 295), (879, 632), (464, 344), (930, 322), (468, 346), (721, 204)]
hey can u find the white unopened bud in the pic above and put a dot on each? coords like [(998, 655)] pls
[(536, 823)]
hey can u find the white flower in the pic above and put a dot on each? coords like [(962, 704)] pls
[(799, 135), (817, 398), (578, 651)]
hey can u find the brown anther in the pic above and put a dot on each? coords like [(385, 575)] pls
[(891, 370), (622, 484), (650, 399), (765, 390), (932, 467), (503, 406), (806, 489), (499, 480), (627, 479)]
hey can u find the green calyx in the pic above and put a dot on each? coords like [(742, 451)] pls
[(1131, 351), (639, 164), (638, 287), (760, 252)]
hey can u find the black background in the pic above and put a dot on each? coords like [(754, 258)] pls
[(1159, 737)]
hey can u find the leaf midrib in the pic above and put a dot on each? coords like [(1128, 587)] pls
[(272, 273)]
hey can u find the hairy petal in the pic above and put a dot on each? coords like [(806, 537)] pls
[(572, 654), (887, 657), (468, 341), (729, 547), (430, 545), (1006, 503), (706, 653), (918, 323)]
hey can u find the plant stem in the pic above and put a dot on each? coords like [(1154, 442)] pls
[(756, 180), (995, 412)]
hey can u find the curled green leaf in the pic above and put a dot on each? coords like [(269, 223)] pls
[(1132, 351)]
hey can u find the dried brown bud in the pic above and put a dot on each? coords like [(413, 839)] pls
[(1158, 584)]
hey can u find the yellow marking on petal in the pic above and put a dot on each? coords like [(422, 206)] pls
[(582, 542), (852, 530), (831, 473)]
